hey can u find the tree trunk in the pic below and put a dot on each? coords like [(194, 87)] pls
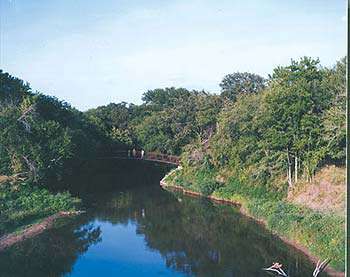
[(296, 169), (289, 169), (290, 182)]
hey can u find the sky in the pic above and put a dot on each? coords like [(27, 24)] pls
[(91, 53)]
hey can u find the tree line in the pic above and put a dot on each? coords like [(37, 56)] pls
[(252, 143), (289, 124)]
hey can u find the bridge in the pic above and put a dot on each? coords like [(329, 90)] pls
[(147, 156)]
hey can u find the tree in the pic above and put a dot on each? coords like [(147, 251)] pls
[(41, 136), (167, 97), (241, 83), (113, 121), (109, 116), (334, 119), (175, 118), (294, 105)]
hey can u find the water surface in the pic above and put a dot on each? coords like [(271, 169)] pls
[(146, 231)]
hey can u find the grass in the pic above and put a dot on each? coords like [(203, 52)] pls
[(23, 204), (322, 233)]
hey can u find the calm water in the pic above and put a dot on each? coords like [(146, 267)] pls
[(146, 231)]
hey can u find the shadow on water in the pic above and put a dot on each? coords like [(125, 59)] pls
[(134, 228)]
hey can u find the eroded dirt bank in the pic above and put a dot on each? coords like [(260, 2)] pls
[(33, 230)]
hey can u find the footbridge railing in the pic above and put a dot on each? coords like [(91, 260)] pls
[(148, 156)]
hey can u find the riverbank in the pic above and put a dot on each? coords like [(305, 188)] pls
[(22, 204), (286, 224), (33, 230)]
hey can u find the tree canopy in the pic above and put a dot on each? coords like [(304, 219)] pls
[(241, 83), (291, 128), (294, 123)]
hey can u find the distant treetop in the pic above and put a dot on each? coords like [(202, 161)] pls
[(241, 83)]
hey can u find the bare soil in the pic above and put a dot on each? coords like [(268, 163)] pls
[(33, 230), (326, 192)]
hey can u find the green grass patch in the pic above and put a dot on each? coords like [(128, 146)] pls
[(23, 204), (323, 234)]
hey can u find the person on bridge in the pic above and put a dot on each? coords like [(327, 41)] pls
[(129, 153), (142, 153), (134, 153)]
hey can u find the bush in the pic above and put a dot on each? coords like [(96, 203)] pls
[(209, 187)]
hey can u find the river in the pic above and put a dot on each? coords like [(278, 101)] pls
[(132, 227)]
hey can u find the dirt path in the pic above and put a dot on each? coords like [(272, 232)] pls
[(31, 231)]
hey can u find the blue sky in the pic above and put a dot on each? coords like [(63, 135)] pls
[(91, 53)]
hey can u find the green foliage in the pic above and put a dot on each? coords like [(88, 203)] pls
[(40, 136), (291, 128), (168, 120), (250, 190), (265, 141), (206, 184), (238, 83), (22, 203), (121, 135), (322, 234), (41, 140), (12, 89), (165, 98), (178, 121), (295, 103), (334, 119), (297, 116), (112, 121), (265, 137)]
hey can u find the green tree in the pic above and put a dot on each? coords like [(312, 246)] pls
[(176, 120), (294, 105), (241, 83), (334, 118), (167, 97), (40, 136)]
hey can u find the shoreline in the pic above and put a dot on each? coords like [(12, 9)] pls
[(329, 270), (33, 230)]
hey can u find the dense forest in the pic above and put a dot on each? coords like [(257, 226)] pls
[(259, 136), (289, 125)]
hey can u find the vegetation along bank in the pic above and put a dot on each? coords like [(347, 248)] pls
[(275, 145), (280, 153)]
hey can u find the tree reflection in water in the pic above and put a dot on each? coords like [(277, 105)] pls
[(193, 236), (52, 253), (197, 237)]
